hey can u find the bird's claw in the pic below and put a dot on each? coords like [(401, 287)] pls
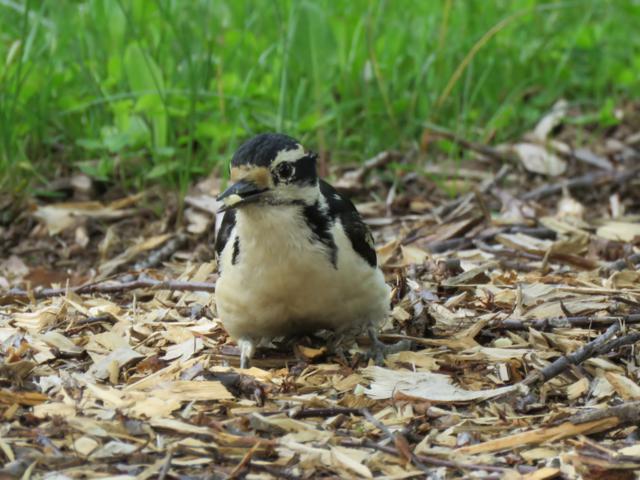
[(378, 350)]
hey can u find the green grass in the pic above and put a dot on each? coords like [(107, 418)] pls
[(140, 91)]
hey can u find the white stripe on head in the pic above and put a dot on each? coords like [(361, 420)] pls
[(290, 155), (308, 194)]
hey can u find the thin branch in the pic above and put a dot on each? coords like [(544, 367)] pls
[(78, 326), (325, 412), (354, 179), (485, 187), (110, 287), (271, 470), (461, 243), (245, 461), (597, 421), (397, 440), (156, 257), (584, 321), (565, 258), (598, 346), (629, 262), (626, 413), (299, 413), (590, 180), (480, 148), (429, 460), (618, 343), (166, 466)]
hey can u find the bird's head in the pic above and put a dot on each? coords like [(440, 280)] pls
[(271, 169)]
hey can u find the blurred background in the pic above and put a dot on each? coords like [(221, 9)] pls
[(162, 91)]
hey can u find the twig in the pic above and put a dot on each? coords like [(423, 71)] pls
[(357, 176), (590, 180), (618, 265), (516, 265), (378, 161), (96, 319), (397, 440), (271, 470), (505, 251), (587, 156), (626, 413), (325, 412), (613, 345), (486, 186), (112, 287), (428, 342), (585, 321), (316, 412), (597, 346), (592, 422), (246, 460), (156, 257), (435, 461), (376, 423), (461, 243), (566, 258), (166, 466), (483, 149), (537, 232)]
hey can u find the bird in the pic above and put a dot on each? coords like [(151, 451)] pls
[(294, 255)]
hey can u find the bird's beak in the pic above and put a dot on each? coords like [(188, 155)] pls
[(240, 193)]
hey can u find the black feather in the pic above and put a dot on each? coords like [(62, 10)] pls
[(226, 227), (236, 251), (320, 224), (262, 149), (357, 231), (303, 172)]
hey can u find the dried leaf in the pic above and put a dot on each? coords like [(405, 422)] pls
[(120, 357), (551, 120), (350, 459), (412, 255), (623, 231), (434, 387), (538, 159), (62, 216), (185, 350), (625, 387), (113, 449)]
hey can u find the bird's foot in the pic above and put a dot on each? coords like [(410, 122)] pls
[(339, 354), (247, 349), (337, 347), (378, 350)]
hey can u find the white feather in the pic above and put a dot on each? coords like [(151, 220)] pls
[(288, 155), (284, 283)]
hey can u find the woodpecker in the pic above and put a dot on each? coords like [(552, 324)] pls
[(294, 255)]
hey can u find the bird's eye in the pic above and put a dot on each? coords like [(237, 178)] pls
[(284, 170)]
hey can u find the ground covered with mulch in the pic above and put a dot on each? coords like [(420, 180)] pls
[(521, 295)]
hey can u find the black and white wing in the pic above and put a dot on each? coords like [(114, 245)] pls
[(355, 228), (224, 235)]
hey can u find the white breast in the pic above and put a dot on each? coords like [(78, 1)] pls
[(284, 283)]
